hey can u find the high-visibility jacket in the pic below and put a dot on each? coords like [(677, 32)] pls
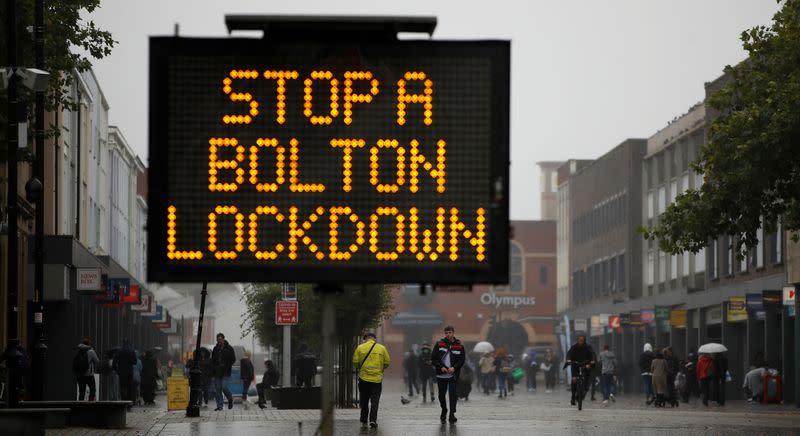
[(373, 367)]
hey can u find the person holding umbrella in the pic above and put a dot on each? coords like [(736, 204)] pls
[(706, 373)]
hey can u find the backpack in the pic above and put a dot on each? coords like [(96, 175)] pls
[(80, 363), (425, 356)]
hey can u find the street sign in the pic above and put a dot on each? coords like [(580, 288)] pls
[(613, 321), (287, 312), (789, 293), (369, 162), (88, 279)]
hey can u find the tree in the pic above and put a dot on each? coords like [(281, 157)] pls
[(357, 308), (750, 161), (70, 44)]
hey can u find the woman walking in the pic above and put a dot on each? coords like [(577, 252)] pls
[(501, 371), (706, 373), (659, 369)]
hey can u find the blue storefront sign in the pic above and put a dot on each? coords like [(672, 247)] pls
[(755, 306)]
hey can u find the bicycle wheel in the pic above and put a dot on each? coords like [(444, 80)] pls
[(580, 394)]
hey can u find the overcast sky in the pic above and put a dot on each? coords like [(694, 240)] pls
[(585, 74)]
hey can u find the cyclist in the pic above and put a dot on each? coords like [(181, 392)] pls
[(580, 354)]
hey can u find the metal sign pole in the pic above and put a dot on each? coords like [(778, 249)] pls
[(287, 350), (195, 376), (328, 326)]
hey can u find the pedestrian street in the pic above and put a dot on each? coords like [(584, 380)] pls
[(521, 414)]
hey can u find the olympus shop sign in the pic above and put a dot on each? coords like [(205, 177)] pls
[(491, 299)]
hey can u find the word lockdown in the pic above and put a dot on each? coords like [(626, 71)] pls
[(408, 238)]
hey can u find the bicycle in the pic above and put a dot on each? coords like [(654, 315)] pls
[(580, 382)]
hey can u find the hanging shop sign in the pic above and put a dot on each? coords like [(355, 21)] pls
[(648, 316), (678, 318), (596, 328), (788, 299), (755, 306), (614, 322), (663, 313), (737, 309), (88, 279), (333, 162)]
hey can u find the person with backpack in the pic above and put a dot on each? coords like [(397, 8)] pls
[(370, 359), (83, 366), (531, 368), (426, 372)]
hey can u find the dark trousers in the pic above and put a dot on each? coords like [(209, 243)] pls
[(245, 388), (550, 380), (369, 395), (705, 389), (83, 382), (148, 393), (304, 380), (262, 392), (126, 387), (412, 385), (447, 387), (608, 385), (531, 378), (427, 381), (720, 391)]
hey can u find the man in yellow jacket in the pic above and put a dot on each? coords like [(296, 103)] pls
[(370, 360)]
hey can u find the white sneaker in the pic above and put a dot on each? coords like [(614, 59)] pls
[(613, 398), (605, 402)]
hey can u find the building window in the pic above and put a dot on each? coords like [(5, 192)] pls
[(673, 191), (662, 267), (554, 181), (543, 275), (673, 267), (776, 245), (698, 181), (662, 200), (685, 183), (648, 273), (744, 261), (686, 263), (515, 271), (759, 254), (730, 255), (612, 270), (621, 273), (713, 254), (650, 212), (700, 261)]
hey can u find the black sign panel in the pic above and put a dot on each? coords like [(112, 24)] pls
[(374, 162)]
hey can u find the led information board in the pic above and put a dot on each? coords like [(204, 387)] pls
[(375, 162)]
